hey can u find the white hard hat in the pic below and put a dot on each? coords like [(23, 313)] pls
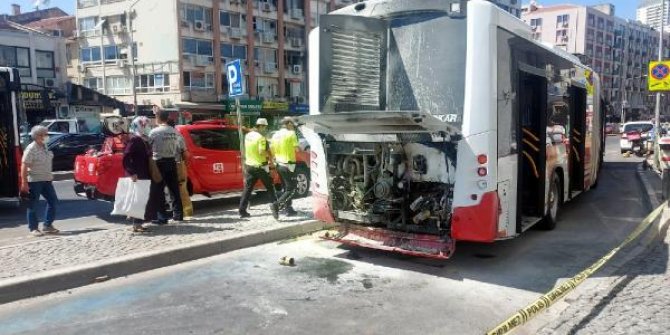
[(261, 122)]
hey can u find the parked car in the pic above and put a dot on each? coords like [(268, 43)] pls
[(610, 129), (214, 167), (645, 128), (66, 147)]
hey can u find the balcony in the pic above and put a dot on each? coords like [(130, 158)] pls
[(270, 68), (296, 14)]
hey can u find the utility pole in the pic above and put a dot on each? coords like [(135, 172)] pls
[(657, 119), (131, 55)]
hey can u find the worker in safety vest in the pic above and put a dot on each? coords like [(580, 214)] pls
[(284, 144), (256, 167)]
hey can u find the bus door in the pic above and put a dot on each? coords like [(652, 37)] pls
[(577, 138), (532, 106), (9, 142)]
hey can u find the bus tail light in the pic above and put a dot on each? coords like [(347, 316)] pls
[(482, 172), (482, 159)]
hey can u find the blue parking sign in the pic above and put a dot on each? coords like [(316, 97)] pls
[(234, 71)]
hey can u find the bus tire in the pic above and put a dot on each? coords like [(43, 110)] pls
[(551, 217)]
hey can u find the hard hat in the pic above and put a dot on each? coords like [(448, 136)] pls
[(288, 119), (261, 122)]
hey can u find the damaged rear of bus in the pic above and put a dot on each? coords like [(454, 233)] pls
[(388, 97)]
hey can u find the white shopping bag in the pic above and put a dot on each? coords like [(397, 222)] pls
[(121, 196), (137, 200)]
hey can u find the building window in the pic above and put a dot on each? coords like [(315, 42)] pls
[(93, 83), (592, 20), (200, 18), (87, 24), (151, 83), (264, 26), (118, 85), (16, 57), (233, 20), (233, 51), (562, 20), (198, 80), (89, 55), (44, 61), (194, 46), (561, 36), (534, 23)]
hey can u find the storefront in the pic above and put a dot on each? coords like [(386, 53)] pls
[(86, 105), (40, 102)]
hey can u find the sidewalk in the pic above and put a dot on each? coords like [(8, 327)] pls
[(636, 300), (46, 265)]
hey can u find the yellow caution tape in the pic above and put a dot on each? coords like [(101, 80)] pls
[(533, 309)]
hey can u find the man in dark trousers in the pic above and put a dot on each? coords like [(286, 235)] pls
[(166, 147), (284, 144), (256, 167)]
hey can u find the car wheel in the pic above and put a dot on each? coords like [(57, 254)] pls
[(554, 204), (302, 182)]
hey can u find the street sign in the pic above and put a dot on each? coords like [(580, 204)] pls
[(234, 71), (659, 76)]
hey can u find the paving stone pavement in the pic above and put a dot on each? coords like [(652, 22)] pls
[(43, 254), (638, 302)]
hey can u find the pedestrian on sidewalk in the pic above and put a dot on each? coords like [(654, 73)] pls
[(256, 167), (136, 159), (37, 180), (166, 146), (284, 144)]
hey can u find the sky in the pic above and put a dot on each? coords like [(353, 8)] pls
[(28, 5), (624, 8)]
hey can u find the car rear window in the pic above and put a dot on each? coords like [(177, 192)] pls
[(216, 139), (641, 127)]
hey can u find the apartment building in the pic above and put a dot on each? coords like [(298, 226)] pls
[(512, 6), (619, 50), (180, 47), (652, 13)]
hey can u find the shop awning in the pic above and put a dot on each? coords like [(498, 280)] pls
[(81, 95)]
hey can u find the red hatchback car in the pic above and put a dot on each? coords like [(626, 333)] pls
[(214, 167)]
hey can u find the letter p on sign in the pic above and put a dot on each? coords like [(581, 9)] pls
[(234, 71)]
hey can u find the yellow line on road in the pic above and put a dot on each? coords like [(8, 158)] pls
[(542, 303)]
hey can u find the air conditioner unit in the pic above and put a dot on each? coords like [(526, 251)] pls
[(199, 25), (121, 63), (296, 42), (296, 14), (267, 7), (49, 82), (81, 68), (297, 69), (268, 38), (235, 33), (270, 68)]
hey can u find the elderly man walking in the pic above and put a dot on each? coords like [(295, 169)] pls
[(256, 167), (37, 178), (284, 144)]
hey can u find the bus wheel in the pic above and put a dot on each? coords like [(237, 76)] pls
[(551, 217)]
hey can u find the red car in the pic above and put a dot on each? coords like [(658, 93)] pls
[(214, 163)]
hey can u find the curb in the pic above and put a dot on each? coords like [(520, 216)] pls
[(67, 278)]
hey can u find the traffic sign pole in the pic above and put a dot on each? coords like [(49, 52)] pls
[(241, 134)]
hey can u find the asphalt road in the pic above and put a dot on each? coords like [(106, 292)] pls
[(336, 290)]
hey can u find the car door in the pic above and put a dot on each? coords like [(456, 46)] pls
[(214, 158)]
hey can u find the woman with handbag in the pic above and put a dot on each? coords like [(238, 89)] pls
[(136, 163)]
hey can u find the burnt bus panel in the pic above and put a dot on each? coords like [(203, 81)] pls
[(353, 63), (9, 173)]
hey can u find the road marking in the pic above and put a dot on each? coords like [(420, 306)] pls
[(557, 293)]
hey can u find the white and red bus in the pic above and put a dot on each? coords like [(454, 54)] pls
[(438, 121), (11, 118)]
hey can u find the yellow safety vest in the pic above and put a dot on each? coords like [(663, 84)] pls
[(283, 145), (254, 145)]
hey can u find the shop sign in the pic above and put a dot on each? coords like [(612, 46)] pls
[(299, 108), (39, 98), (246, 106), (275, 106)]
